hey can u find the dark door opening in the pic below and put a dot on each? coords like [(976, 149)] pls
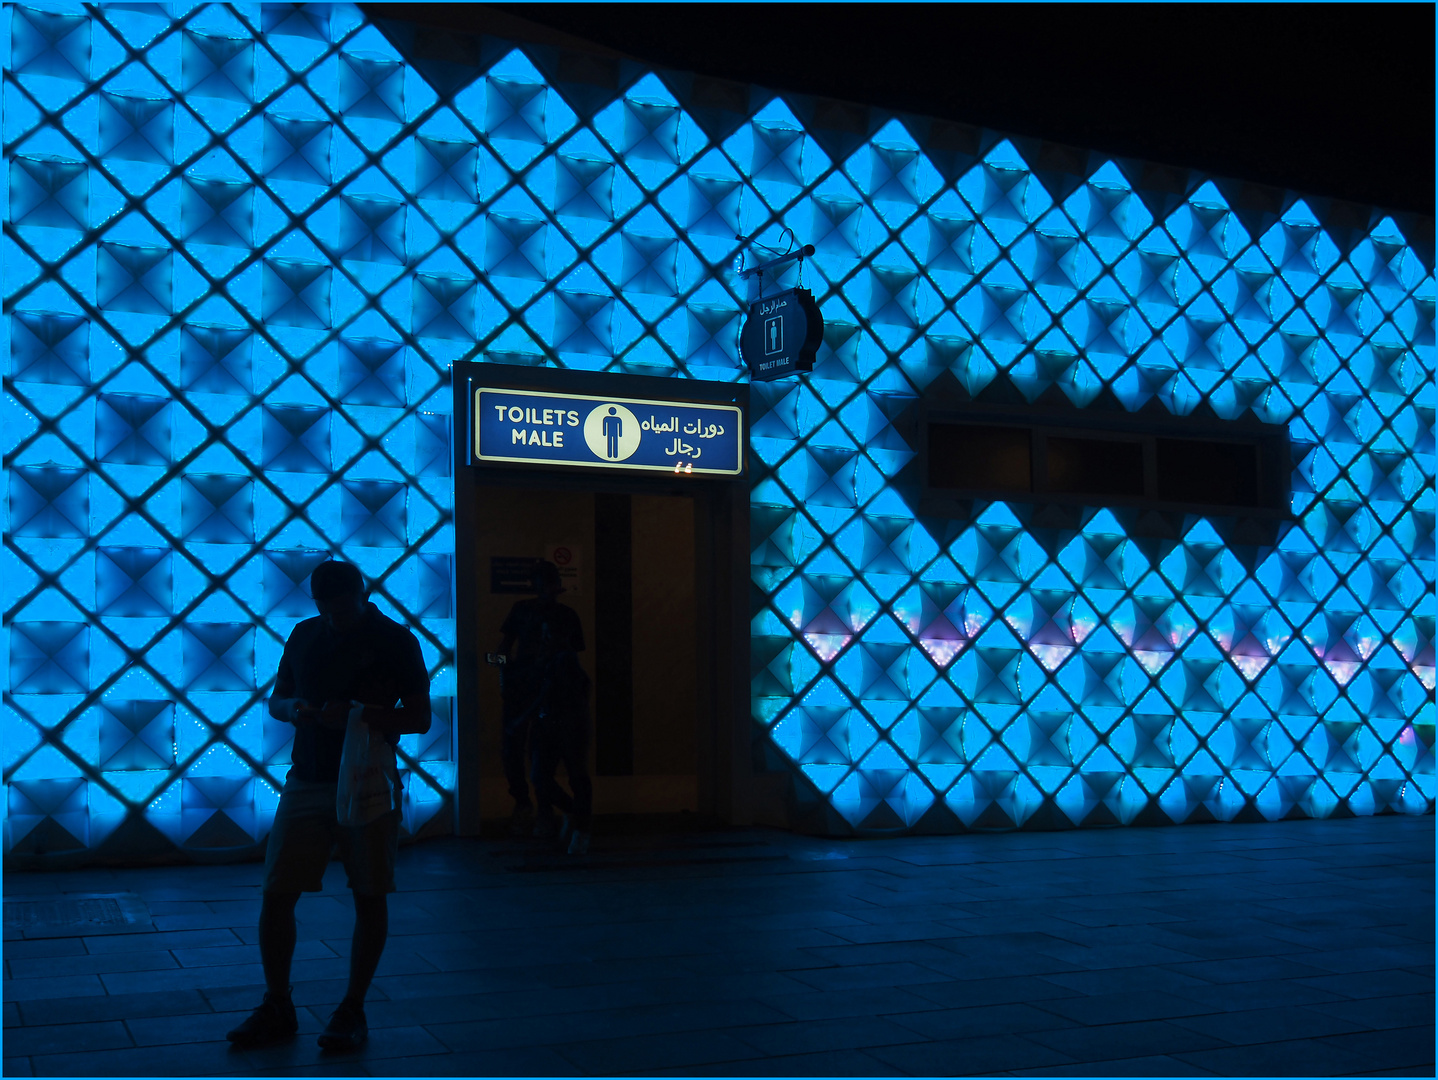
[(630, 572), (654, 560)]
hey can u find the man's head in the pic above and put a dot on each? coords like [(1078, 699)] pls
[(545, 579), (339, 593)]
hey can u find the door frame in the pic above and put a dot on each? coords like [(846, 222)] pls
[(721, 536)]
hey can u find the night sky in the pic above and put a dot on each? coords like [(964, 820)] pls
[(1328, 99)]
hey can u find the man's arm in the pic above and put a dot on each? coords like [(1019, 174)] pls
[(413, 715), (411, 718), (283, 704)]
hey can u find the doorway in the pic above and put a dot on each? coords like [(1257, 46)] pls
[(629, 570), (655, 564)]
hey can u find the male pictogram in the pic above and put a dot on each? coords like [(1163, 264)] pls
[(773, 334), (613, 429), (612, 432)]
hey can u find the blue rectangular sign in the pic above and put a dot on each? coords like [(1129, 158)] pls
[(607, 433)]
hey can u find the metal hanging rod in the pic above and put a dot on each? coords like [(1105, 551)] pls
[(759, 268)]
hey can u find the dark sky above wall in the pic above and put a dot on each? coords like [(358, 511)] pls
[(1332, 99)]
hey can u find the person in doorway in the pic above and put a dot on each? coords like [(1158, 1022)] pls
[(533, 633), (560, 736), (350, 654)]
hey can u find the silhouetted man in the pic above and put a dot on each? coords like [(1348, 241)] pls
[(559, 735), (532, 632), (349, 654)]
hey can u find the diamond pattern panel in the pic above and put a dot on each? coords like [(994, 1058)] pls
[(245, 242)]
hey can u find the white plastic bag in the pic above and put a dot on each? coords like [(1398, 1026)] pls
[(369, 777)]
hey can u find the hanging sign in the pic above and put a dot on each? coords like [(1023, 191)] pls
[(781, 335), (536, 428)]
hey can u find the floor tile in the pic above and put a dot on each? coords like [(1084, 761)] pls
[(968, 993), (1297, 1057), (823, 1063), (867, 933), (131, 982), (1379, 1013), (1123, 1007), (44, 947), (875, 975), (525, 1061), (883, 952), (1229, 947), (1367, 984), (97, 1009), (104, 964), (1265, 994), (1267, 1025), (1112, 1042), (197, 1059), (981, 1020), (1396, 1048), (819, 1005), (381, 1046), (814, 1036), (1135, 1066), (625, 1055), (983, 1056), (201, 1028), (219, 955), (1247, 969), (66, 1038), (64, 986), (175, 939), (1120, 979), (640, 1021)]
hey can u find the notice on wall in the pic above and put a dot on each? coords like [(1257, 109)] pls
[(511, 573), (567, 558)]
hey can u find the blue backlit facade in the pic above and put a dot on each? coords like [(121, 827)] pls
[(243, 243)]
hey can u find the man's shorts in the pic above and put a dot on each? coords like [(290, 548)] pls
[(307, 831)]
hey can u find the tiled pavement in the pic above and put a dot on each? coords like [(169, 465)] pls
[(1295, 948)]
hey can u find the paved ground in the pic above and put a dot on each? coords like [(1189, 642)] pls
[(1298, 948)]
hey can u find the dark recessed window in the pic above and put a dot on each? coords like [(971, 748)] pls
[(1095, 467), (1193, 466), (980, 457), (1200, 471)]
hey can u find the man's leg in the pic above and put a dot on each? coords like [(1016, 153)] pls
[(544, 759), (576, 764), (369, 853), (299, 847), (367, 945), (277, 940), (513, 741)]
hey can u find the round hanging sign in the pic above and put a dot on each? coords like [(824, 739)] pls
[(781, 335)]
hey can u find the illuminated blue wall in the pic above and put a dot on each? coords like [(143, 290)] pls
[(243, 243)]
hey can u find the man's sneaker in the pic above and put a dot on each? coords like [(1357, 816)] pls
[(347, 1029), (566, 830), (521, 822), (545, 827), (274, 1020), (579, 843)]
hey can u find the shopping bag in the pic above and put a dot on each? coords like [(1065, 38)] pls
[(369, 777)]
